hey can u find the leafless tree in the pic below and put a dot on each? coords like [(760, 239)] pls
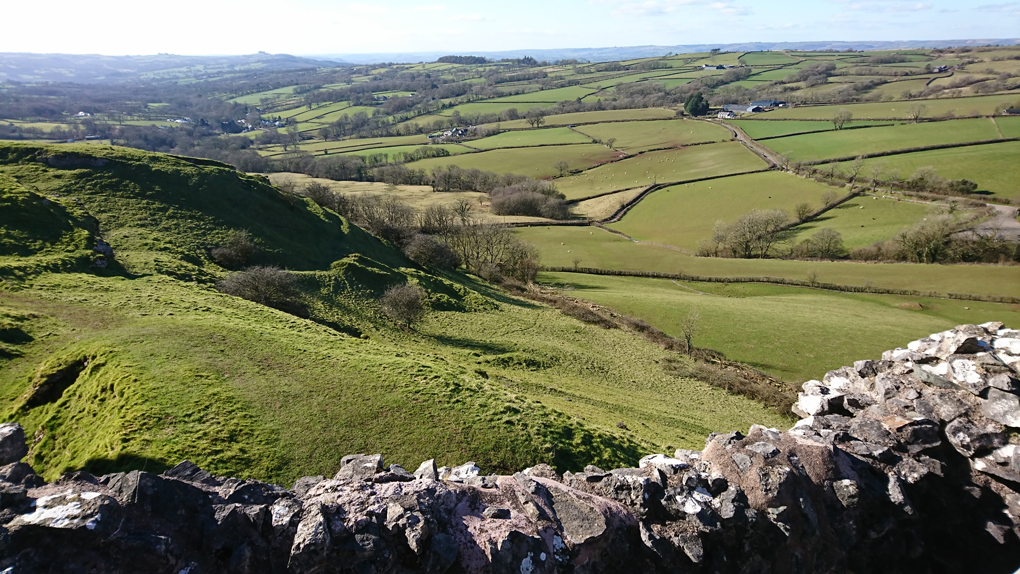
[(404, 304), (689, 328), (561, 167), (842, 117), (916, 112)]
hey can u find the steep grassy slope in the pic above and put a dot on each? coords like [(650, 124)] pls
[(142, 363)]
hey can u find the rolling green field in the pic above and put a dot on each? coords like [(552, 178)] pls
[(559, 247), (684, 215), (766, 59), (551, 136), (790, 332), (596, 117), (353, 144), (993, 167), (635, 137), (534, 162), (842, 143), (661, 167), (557, 95), (980, 105), (865, 220), (765, 129), (392, 152), (1010, 127), (494, 107), (172, 369)]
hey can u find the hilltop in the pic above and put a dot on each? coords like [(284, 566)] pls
[(118, 352)]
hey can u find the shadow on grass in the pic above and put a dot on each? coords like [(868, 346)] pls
[(124, 462), (488, 290), (484, 347)]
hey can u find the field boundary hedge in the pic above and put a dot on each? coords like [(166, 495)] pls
[(907, 150), (784, 281)]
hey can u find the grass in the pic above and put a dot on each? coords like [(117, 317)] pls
[(760, 129), (606, 205), (826, 145), (559, 246), (534, 162), (766, 59), (176, 370), (392, 152), (993, 167), (684, 215), (551, 136), (1010, 127), (595, 117), (865, 220), (634, 137), (971, 106), (353, 144), (793, 333), (418, 197), (494, 107), (556, 95), (662, 166)]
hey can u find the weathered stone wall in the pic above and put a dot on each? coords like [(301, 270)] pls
[(907, 464)]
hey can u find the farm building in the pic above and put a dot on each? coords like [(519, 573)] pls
[(769, 103), (1011, 112), (727, 115)]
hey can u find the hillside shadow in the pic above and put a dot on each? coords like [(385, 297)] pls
[(488, 290), (484, 347), (124, 462)]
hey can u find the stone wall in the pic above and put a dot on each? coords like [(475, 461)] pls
[(906, 464)]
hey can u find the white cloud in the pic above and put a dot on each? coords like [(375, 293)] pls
[(470, 17), (886, 6), (433, 8), (662, 7)]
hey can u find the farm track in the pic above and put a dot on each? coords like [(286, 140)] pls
[(770, 157)]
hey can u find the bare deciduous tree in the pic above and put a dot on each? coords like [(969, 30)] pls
[(561, 167), (689, 328), (841, 118), (916, 111)]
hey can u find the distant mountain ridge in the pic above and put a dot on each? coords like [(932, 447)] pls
[(95, 68), (608, 54)]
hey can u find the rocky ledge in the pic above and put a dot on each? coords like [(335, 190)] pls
[(906, 464)]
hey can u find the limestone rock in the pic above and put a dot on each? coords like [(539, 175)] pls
[(12, 443)]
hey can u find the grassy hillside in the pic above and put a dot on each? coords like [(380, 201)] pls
[(143, 363)]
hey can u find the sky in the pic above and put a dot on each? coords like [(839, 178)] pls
[(320, 27)]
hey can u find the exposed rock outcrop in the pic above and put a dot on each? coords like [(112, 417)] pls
[(910, 463)]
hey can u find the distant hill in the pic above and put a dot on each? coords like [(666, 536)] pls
[(94, 68), (630, 52)]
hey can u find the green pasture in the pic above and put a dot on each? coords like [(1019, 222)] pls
[(763, 129), (494, 107), (392, 152), (627, 79), (790, 332), (257, 97), (177, 370), (958, 77), (596, 117), (352, 144), (865, 220), (552, 136), (892, 90), (317, 112), (534, 162), (556, 95), (847, 143), (766, 59), (1009, 126), (560, 246), (969, 106), (993, 167), (684, 215), (772, 75), (1001, 67), (661, 167), (635, 137)]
